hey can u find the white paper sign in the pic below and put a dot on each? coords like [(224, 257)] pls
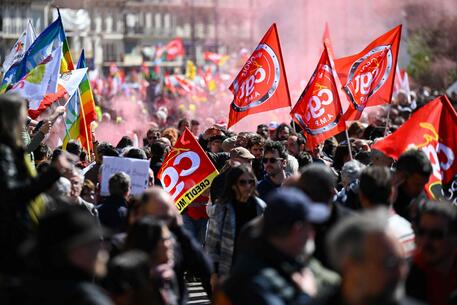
[(137, 169)]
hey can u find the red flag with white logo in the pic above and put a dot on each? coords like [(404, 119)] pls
[(261, 85), (186, 172), (172, 49), (318, 110), (433, 129), (368, 77)]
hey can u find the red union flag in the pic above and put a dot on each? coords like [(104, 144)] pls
[(433, 129), (187, 171), (368, 76), (172, 49), (261, 85), (318, 110)]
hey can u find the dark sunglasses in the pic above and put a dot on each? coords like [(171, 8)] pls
[(244, 182), (271, 160), (435, 234)]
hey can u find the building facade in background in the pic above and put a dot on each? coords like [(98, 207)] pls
[(126, 32)]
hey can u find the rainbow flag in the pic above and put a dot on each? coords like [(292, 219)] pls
[(72, 120), (50, 39), (81, 112), (67, 60), (88, 113)]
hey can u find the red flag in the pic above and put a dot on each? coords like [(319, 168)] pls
[(433, 129), (173, 49), (261, 85), (186, 172), (318, 110), (326, 39), (368, 77)]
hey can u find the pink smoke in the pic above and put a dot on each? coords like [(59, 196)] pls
[(130, 117)]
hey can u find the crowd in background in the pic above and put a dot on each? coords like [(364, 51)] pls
[(281, 224)]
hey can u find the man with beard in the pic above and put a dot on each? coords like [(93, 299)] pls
[(433, 274), (274, 164), (370, 260)]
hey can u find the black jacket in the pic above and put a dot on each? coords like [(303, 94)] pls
[(190, 258), (17, 189), (263, 276), (113, 213), (68, 286)]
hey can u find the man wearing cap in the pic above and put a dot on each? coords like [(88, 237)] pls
[(276, 268), (238, 155)]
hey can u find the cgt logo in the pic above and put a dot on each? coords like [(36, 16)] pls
[(184, 164), (321, 114), (368, 74), (441, 157), (257, 81)]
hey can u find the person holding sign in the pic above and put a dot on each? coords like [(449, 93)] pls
[(237, 207)]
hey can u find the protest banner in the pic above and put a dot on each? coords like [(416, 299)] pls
[(368, 77), (261, 85), (137, 169), (432, 129), (186, 172), (318, 110)]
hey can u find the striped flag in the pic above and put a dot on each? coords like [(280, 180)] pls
[(67, 85), (50, 39), (40, 80), (88, 113), (72, 120)]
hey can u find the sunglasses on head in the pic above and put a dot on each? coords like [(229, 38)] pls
[(271, 160), (244, 182), (435, 234)]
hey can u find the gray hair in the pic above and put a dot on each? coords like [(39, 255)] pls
[(351, 171), (119, 184), (346, 239)]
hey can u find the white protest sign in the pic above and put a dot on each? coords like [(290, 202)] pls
[(137, 169)]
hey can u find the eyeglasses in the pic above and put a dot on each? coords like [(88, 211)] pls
[(244, 182), (435, 234), (271, 160)]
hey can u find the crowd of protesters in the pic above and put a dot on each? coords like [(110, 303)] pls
[(281, 224)]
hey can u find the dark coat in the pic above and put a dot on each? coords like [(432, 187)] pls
[(68, 286), (190, 258), (113, 213), (263, 276), (17, 189)]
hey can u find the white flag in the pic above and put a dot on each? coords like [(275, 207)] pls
[(34, 86), (22, 44)]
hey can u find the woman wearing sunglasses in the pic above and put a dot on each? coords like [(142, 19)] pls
[(238, 206)]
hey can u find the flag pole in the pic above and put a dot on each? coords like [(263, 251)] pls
[(387, 120), (349, 143), (85, 125)]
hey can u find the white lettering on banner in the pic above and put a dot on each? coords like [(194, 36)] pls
[(449, 156), (363, 83), (432, 155), (315, 103), (247, 87), (137, 169), (430, 151), (174, 176)]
